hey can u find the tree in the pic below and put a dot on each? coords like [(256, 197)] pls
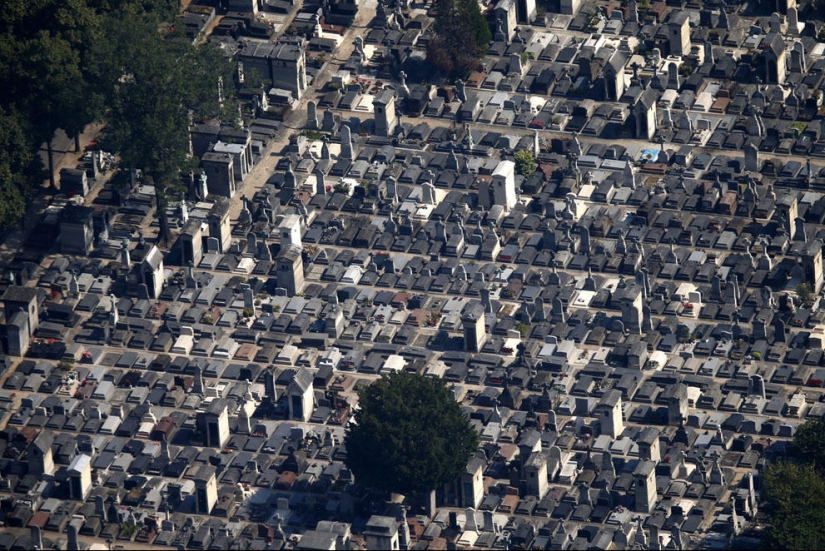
[(805, 294), (157, 81), (795, 504), (462, 36), (525, 162), (809, 443), (409, 435), (20, 169)]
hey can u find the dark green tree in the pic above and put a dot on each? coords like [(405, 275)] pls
[(157, 82), (809, 443), (20, 169), (461, 39), (44, 46), (409, 435), (795, 504)]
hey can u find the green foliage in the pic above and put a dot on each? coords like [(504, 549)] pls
[(805, 294), (795, 504), (409, 435), (63, 61), (523, 328), (461, 39), (313, 135), (154, 79), (809, 443), (341, 188), (525, 162), (20, 169)]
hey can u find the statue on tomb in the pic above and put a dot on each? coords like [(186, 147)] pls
[(203, 189)]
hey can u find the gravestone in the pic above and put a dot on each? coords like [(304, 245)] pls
[(767, 298), (589, 282), (312, 116), (252, 244), (72, 544), (756, 386), (248, 299), (716, 288), (320, 184), (143, 292), (515, 67), (629, 179), (264, 253), (36, 537), (673, 81), (709, 58), (392, 190), (197, 386), (100, 509), (779, 330), (799, 234), (657, 57), (328, 124), (538, 310), (485, 299), (777, 23), (647, 319), (461, 273), (213, 245), (559, 315), (797, 64), (723, 23), (440, 231), (667, 115), (470, 524), (759, 330), (428, 193), (347, 149), (460, 91), (793, 22)]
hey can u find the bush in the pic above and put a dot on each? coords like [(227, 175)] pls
[(525, 162)]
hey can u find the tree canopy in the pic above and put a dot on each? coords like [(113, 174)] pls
[(525, 162), (409, 436), (795, 504), (809, 443), (156, 80), (67, 63), (461, 39), (794, 492)]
